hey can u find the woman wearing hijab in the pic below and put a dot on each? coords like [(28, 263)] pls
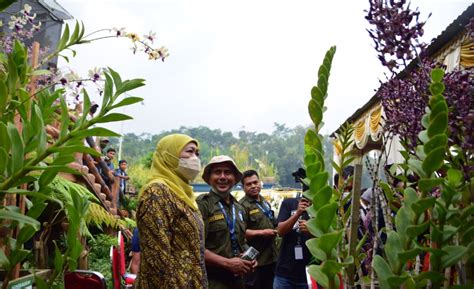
[(169, 223)]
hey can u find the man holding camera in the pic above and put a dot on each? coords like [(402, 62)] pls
[(294, 256), (225, 225), (260, 232)]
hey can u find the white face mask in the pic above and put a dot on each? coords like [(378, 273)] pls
[(189, 167)]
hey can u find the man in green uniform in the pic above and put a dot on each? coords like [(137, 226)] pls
[(260, 232), (225, 225)]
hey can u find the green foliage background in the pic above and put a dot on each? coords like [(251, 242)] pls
[(283, 148)]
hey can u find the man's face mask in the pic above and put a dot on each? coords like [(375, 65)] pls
[(189, 167)]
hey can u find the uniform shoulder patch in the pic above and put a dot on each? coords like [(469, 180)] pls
[(215, 217), (254, 211)]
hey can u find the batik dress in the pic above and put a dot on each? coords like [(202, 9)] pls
[(171, 241)]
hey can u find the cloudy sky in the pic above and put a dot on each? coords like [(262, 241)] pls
[(244, 64)]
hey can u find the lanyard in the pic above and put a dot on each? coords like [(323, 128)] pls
[(231, 226), (265, 209)]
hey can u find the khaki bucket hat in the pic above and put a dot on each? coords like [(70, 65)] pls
[(218, 160)]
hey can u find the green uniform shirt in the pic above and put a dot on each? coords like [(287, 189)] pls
[(258, 220), (217, 236)]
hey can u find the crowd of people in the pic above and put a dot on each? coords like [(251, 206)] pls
[(214, 241), (109, 172)]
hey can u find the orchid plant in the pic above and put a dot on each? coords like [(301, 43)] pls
[(432, 113), (33, 102)]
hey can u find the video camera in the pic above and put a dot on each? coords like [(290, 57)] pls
[(299, 176)]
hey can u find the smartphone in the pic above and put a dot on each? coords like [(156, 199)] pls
[(250, 254)]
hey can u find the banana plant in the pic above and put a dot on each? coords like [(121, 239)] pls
[(445, 221), (30, 158)]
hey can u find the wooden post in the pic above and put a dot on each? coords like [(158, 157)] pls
[(355, 217)]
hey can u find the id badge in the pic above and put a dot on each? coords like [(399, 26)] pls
[(298, 252)]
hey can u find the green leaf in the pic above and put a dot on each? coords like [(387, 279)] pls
[(403, 219), (26, 233), (113, 117), (328, 242), (448, 232), (108, 91), (58, 258), (312, 245), (312, 139), (74, 35), (5, 4), (317, 94), (5, 143), (323, 84), (331, 268), (437, 88), (438, 125), (47, 176), (454, 177), (323, 70), (453, 255), (437, 75), (38, 208), (438, 108), (322, 196), (319, 180), (75, 149), (310, 159), (17, 217), (127, 101), (397, 281), (40, 283), (64, 38), (392, 247), (440, 140), (383, 271), (95, 131), (436, 277), (18, 255), (3, 160), (312, 170), (416, 166), (115, 77), (427, 184), (86, 108), (316, 272), (434, 160), (414, 231), (17, 147), (41, 132), (128, 85), (324, 219), (468, 211), (64, 119), (425, 121), (409, 255), (4, 262), (64, 57), (422, 205), (315, 112), (5, 96)]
